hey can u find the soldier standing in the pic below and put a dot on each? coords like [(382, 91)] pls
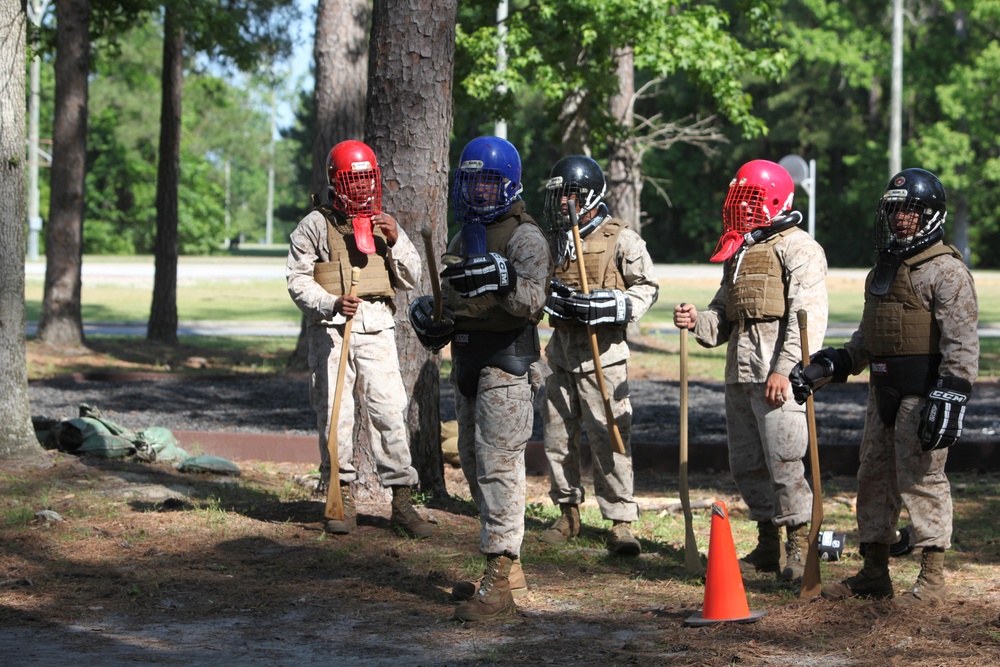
[(495, 287), (620, 276), (918, 338), (351, 230), (772, 270)]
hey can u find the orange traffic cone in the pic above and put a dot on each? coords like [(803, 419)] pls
[(725, 599)]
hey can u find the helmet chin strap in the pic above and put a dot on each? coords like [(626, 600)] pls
[(595, 222)]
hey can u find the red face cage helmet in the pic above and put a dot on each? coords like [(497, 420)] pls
[(355, 179), (760, 192)]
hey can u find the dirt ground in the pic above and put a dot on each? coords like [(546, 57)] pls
[(152, 566)]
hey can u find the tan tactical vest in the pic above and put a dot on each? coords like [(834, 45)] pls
[(759, 291), (484, 313), (898, 323), (376, 279), (598, 261)]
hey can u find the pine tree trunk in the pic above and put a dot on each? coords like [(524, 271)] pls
[(61, 323), (412, 54), (17, 439), (163, 311), (624, 168), (340, 53)]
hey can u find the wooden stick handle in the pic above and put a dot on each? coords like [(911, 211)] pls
[(334, 501), (692, 560), (812, 583), (616, 437), (432, 267)]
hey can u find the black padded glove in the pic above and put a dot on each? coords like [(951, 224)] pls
[(481, 274), (828, 365), (941, 418), (603, 306), (432, 335), (558, 305)]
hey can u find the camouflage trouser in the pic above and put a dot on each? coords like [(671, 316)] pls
[(766, 446), (895, 471), (573, 401), (372, 375), (493, 431)]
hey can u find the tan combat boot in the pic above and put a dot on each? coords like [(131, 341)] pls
[(493, 597), (405, 517), (766, 556), (873, 581), (929, 591), (565, 527), (795, 553), (350, 521), (466, 590), (621, 541)]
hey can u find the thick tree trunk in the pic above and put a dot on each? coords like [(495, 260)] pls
[(408, 123), (340, 54), (163, 312), (61, 323), (624, 168), (17, 439)]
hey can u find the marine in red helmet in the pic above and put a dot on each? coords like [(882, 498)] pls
[(348, 230), (771, 270)]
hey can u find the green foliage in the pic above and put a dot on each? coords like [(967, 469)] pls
[(224, 120)]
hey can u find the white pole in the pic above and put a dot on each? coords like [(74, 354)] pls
[(812, 198), (35, 12), (896, 102), (269, 233), (501, 125)]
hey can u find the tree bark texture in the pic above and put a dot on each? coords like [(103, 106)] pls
[(624, 168), (17, 437), (408, 123), (340, 54), (61, 323), (163, 311)]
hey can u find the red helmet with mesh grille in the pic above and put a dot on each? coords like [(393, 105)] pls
[(760, 192), (355, 179)]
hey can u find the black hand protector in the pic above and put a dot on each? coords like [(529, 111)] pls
[(432, 335), (601, 307), (828, 365), (481, 274), (941, 418), (558, 304)]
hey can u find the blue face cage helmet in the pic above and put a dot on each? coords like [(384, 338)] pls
[(487, 180)]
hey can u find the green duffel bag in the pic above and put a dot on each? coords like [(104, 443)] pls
[(96, 439), (206, 463)]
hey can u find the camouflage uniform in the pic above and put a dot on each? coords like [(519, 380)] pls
[(373, 362), (766, 444), (894, 470), (572, 395), (494, 407)]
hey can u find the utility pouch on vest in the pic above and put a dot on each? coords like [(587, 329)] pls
[(511, 351), (896, 377)]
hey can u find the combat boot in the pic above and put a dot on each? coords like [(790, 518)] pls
[(565, 527), (493, 597), (766, 556), (350, 521), (405, 517), (622, 542), (795, 553), (929, 590), (466, 590), (873, 581)]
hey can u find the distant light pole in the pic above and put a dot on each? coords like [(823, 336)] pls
[(805, 175), (896, 94), (501, 124), (36, 10)]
